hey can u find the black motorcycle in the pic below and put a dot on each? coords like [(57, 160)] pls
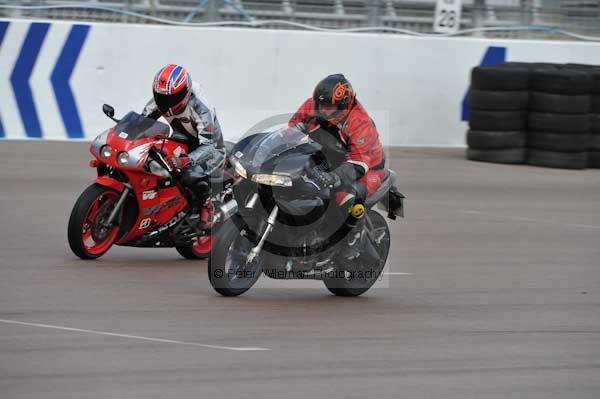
[(284, 226)]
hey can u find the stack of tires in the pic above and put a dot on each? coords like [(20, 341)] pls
[(593, 156), (559, 121), (594, 138), (498, 114)]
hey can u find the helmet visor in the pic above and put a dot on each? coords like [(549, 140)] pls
[(328, 112), (167, 101)]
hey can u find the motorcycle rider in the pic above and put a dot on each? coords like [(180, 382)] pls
[(181, 102), (355, 160)]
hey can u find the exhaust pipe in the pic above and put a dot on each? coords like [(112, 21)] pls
[(225, 211)]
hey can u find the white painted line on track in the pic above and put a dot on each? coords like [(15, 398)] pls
[(524, 219), (165, 341), (51, 139)]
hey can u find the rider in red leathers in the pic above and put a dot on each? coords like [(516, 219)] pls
[(335, 119), (354, 156)]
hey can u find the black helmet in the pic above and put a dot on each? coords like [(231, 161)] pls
[(334, 90)]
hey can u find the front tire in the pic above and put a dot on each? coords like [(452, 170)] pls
[(362, 280), (228, 272), (88, 238)]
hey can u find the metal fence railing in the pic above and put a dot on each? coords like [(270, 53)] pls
[(489, 18)]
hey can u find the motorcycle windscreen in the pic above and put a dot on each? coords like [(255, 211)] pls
[(134, 126), (261, 148)]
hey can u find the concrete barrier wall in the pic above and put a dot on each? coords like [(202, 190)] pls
[(54, 77)]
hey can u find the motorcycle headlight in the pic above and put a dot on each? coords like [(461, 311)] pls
[(157, 170), (105, 151), (123, 158), (239, 169), (273, 180)]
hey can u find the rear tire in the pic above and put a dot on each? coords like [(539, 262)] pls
[(341, 286), (87, 238)]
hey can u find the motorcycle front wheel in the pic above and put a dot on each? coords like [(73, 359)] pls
[(358, 281), (229, 272), (88, 237)]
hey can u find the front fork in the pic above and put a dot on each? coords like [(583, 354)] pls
[(270, 225), (118, 205)]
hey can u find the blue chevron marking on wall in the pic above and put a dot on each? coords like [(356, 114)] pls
[(61, 75), (3, 28), (21, 74)]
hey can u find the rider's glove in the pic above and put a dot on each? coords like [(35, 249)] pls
[(325, 179), (180, 162)]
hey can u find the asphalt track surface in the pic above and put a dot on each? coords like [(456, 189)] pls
[(501, 297)]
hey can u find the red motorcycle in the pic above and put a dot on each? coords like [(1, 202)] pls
[(137, 199)]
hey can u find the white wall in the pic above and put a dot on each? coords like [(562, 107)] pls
[(412, 86)]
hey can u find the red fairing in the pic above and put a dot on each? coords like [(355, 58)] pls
[(357, 131), (156, 205), (110, 182)]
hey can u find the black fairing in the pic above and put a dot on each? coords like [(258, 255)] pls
[(283, 152), (269, 152)]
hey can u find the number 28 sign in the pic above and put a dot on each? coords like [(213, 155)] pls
[(447, 16)]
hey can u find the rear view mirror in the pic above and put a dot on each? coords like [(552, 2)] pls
[(109, 111)]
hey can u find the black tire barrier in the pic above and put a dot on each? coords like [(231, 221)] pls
[(594, 123), (561, 81), (497, 120), (545, 114), (559, 123), (498, 100), (595, 104), (559, 103), (531, 65), (498, 77), (485, 139), (554, 159), (594, 141), (593, 159), (593, 71), (507, 155), (558, 141)]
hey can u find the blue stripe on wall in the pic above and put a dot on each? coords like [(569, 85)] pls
[(21, 74), (492, 56), (3, 28), (61, 74)]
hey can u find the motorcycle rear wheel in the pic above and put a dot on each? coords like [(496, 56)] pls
[(88, 238), (228, 272), (361, 282)]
